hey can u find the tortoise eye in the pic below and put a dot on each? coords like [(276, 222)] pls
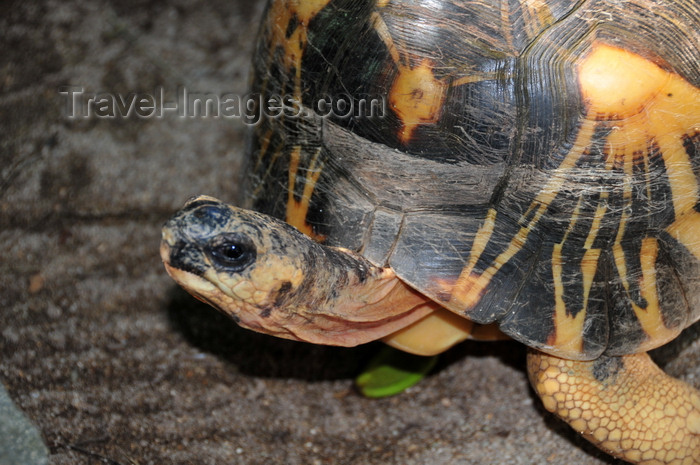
[(231, 252)]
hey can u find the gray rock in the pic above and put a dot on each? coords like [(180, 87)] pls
[(20, 442)]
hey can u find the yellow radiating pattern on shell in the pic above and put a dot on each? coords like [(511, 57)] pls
[(416, 97), (656, 110), (471, 285), (618, 83), (653, 107), (297, 210), (294, 45), (648, 111)]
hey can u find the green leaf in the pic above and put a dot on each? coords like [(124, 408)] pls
[(393, 371)]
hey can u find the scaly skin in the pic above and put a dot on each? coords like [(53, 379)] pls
[(624, 405)]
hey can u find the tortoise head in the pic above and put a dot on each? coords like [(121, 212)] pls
[(239, 261), (271, 278)]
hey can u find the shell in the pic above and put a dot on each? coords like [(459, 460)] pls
[(534, 163)]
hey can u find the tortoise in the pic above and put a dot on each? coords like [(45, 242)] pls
[(426, 172)]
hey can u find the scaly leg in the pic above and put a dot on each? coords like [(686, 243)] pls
[(624, 405)]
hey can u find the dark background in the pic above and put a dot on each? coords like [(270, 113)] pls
[(116, 365)]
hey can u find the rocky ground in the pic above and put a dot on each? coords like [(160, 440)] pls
[(113, 363)]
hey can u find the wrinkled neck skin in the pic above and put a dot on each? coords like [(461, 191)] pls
[(309, 292)]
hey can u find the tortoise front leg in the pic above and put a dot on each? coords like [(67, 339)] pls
[(624, 405)]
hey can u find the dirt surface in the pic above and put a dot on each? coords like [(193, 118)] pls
[(116, 365)]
